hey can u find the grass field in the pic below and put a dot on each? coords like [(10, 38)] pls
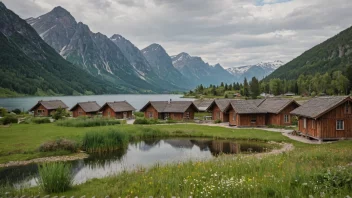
[(317, 170)]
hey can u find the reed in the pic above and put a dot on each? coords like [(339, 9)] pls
[(55, 177), (104, 141), (87, 122)]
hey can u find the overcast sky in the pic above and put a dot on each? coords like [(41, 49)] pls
[(229, 32)]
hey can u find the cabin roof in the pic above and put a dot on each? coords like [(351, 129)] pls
[(170, 107), (203, 105), (90, 106), (247, 106), (50, 104), (276, 105), (119, 106), (316, 107)]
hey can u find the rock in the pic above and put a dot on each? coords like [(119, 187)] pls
[(46, 196)]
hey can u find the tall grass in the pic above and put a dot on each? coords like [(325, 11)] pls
[(87, 122), (100, 142), (55, 177)]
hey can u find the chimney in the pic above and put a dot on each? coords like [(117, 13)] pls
[(170, 101)]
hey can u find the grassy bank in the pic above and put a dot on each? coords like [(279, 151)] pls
[(21, 142)]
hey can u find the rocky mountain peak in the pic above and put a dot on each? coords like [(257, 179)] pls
[(60, 12), (116, 37), (2, 5)]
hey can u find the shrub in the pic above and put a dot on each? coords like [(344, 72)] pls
[(55, 177), (146, 121), (217, 121), (87, 122), (60, 113), (335, 178), (99, 142), (139, 114), (60, 144), (8, 120), (294, 120), (3, 112), (41, 120), (171, 121), (17, 111)]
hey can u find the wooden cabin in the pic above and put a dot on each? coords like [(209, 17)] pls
[(175, 110), (246, 113), (89, 109), (218, 109), (118, 110), (325, 118), (203, 104), (46, 108), (278, 111)]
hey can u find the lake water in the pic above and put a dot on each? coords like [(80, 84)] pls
[(136, 100), (138, 155)]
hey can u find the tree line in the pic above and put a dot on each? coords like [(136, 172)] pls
[(329, 83)]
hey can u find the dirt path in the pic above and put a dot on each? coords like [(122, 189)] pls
[(46, 159), (285, 147)]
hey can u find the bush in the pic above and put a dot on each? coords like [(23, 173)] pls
[(335, 178), (100, 142), (87, 122), (3, 112), (60, 113), (217, 121), (139, 114), (17, 111), (60, 144), (170, 121), (8, 120), (294, 120), (41, 120), (146, 121), (55, 177)]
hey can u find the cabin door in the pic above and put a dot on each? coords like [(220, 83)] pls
[(124, 115)]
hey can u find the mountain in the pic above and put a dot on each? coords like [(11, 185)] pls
[(259, 70), (30, 66), (333, 54), (94, 52), (141, 65), (161, 63), (200, 72)]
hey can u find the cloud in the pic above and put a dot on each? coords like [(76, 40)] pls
[(231, 32)]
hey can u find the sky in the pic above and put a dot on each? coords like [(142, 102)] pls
[(230, 32)]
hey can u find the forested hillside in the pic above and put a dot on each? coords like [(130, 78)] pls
[(331, 55)]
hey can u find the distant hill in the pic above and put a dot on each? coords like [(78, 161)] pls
[(333, 54), (30, 66)]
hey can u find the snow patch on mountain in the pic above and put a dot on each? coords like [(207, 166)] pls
[(268, 67)]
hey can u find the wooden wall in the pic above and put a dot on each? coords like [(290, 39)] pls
[(119, 115), (217, 114), (106, 111), (233, 122), (278, 119), (244, 120), (46, 112), (153, 110), (76, 112)]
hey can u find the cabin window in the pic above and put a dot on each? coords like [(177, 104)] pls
[(40, 111), (347, 108), (234, 117), (305, 123), (287, 118), (79, 112), (150, 114), (313, 124), (340, 125), (187, 115), (253, 119), (167, 115)]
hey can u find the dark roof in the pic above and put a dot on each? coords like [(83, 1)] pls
[(318, 106), (203, 105), (50, 104), (276, 105), (119, 106), (90, 106), (247, 106), (170, 107)]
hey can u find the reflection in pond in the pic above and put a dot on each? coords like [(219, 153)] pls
[(138, 154)]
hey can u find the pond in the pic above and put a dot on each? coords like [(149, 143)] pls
[(136, 100), (142, 154)]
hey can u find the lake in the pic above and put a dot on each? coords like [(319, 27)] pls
[(137, 156), (136, 100)]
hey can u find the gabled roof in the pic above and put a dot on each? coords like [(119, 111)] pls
[(223, 104), (50, 104), (169, 107), (118, 106), (87, 107), (316, 107), (276, 105), (202, 105), (247, 106)]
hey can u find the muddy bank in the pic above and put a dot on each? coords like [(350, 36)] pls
[(46, 159)]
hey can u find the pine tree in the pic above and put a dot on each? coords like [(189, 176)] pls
[(245, 88), (254, 87)]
